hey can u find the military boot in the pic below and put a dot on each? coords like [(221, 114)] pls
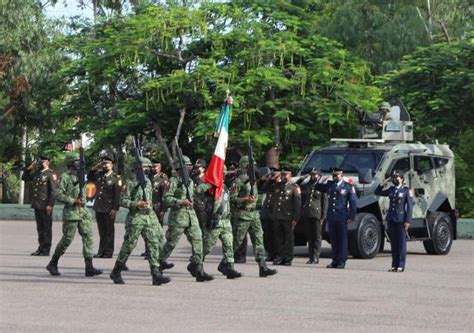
[(90, 270), (228, 270), (53, 266), (159, 278), (264, 271), (116, 274), (192, 268), (202, 276), (166, 265)]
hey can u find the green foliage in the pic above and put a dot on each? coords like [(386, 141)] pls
[(10, 182)]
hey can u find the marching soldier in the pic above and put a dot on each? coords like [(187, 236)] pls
[(141, 220), (201, 201), (75, 216), (398, 218), (219, 227), (313, 213), (183, 219), (342, 209), (246, 217), (106, 204), (286, 213), (44, 188), (160, 184)]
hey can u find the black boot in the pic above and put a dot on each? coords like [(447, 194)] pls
[(116, 275), (192, 268), (228, 270), (159, 278), (202, 276), (166, 265), (124, 267), (264, 271), (90, 270), (53, 266)]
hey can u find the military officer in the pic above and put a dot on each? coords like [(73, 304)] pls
[(106, 204), (342, 209), (286, 214), (160, 183), (398, 217), (44, 188), (246, 217), (313, 213), (219, 227), (75, 216), (141, 220), (201, 201), (183, 219)]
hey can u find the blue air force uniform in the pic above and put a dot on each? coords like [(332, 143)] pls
[(342, 206), (399, 212)]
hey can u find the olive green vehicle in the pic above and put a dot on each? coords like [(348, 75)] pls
[(386, 145)]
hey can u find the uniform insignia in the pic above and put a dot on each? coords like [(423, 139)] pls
[(43, 178), (119, 182), (343, 192), (109, 182), (400, 195)]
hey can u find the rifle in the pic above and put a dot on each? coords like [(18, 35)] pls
[(139, 171), (251, 168), (81, 173), (183, 171)]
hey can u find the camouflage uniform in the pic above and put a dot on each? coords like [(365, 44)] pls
[(74, 217), (181, 220), (160, 183)]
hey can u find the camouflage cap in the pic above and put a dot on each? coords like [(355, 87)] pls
[(71, 157), (385, 106), (144, 161), (186, 161), (244, 162)]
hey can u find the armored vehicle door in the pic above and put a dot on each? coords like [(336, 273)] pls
[(421, 180)]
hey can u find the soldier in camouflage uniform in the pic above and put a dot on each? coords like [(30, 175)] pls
[(141, 220), (160, 184), (219, 227), (106, 204), (75, 216), (183, 219), (201, 201), (44, 188), (247, 219)]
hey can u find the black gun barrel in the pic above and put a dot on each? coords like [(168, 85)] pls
[(183, 171), (81, 174), (251, 168), (139, 171)]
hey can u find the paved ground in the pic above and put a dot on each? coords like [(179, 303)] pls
[(434, 294)]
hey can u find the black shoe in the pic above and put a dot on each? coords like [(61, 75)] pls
[(286, 263), (202, 276), (116, 275), (90, 269), (98, 255), (269, 258), (53, 269), (228, 270), (331, 265), (125, 267), (264, 271), (400, 270), (166, 265), (340, 266), (313, 261), (159, 278), (36, 253), (277, 261), (240, 260), (392, 269), (107, 256), (44, 254), (192, 268)]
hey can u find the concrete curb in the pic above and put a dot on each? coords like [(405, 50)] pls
[(465, 229)]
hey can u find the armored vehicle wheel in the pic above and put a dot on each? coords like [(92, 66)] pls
[(365, 241), (441, 233)]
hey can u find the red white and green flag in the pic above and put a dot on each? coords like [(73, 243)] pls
[(215, 172)]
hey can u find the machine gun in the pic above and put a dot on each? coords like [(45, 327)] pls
[(139, 170), (183, 171), (81, 173), (251, 168)]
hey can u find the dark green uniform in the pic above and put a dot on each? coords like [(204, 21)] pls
[(160, 183), (266, 217), (286, 209), (44, 188), (107, 198), (202, 204), (313, 213)]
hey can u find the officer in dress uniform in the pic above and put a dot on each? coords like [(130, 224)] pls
[(342, 209), (286, 213), (313, 213), (269, 183), (44, 187), (106, 204), (398, 218)]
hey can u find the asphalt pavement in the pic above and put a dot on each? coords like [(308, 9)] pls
[(434, 294)]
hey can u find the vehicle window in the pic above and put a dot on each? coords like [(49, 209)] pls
[(422, 164), (402, 165), (440, 162), (350, 161)]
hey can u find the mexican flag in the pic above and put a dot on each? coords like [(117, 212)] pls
[(215, 172)]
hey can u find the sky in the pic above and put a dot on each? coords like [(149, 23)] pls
[(67, 10)]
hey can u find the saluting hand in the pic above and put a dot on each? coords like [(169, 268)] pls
[(386, 181), (31, 166)]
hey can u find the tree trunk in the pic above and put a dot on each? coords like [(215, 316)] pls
[(164, 146), (182, 113)]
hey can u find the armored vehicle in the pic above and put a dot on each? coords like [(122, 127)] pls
[(386, 144)]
